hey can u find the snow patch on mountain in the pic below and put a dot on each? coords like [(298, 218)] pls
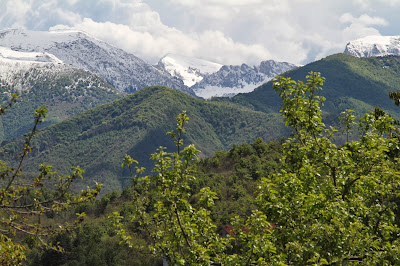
[(27, 57), (210, 91), (14, 65), (123, 70), (231, 80), (374, 46), (189, 69)]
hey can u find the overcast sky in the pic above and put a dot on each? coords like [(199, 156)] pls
[(223, 31)]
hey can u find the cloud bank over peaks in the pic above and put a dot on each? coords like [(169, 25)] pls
[(223, 31), (154, 41)]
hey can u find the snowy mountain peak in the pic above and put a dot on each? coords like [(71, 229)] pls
[(374, 46), (190, 69), (123, 70)]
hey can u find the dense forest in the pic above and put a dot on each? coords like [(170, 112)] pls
[(301, 200)]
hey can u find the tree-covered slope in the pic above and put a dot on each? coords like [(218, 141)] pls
[(64, 90), (351, 83), (98, 139)]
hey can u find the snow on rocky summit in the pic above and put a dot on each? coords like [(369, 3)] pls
[(374, 46), (190, 69)]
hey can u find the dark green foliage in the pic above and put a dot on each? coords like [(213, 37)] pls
[(236, 194), (234, 176), (91, 244)]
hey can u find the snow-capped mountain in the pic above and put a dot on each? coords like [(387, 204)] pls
[(189, 69), (43, 79), (374, 46), (231, 80), (123, 70), (23, 71)]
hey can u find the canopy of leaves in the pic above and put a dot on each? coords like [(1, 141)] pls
[(24, 202)]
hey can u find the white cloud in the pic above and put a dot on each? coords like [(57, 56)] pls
[(363, 20), (361, 26), (227, 3), (371, 5), (14, 13)]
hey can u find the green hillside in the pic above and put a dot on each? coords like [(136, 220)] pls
[(66, 92), (98, 139), (351, 83)]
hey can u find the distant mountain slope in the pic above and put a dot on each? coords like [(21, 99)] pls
[(98, 139), (42, 79), (374, 46), (231, 80), (355, 83), (123, 70), (189, 69)]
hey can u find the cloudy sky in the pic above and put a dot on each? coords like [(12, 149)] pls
[(223, 31)]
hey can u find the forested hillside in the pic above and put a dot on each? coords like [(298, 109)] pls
[(98, 139), (234, 175)]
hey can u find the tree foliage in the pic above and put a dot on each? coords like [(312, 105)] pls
[(181, 233), (26, 203), (328, 204), (333, 204)]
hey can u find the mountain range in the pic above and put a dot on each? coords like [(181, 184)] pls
[(209, 79), (128, 73), (97, 139), (123, 70)]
